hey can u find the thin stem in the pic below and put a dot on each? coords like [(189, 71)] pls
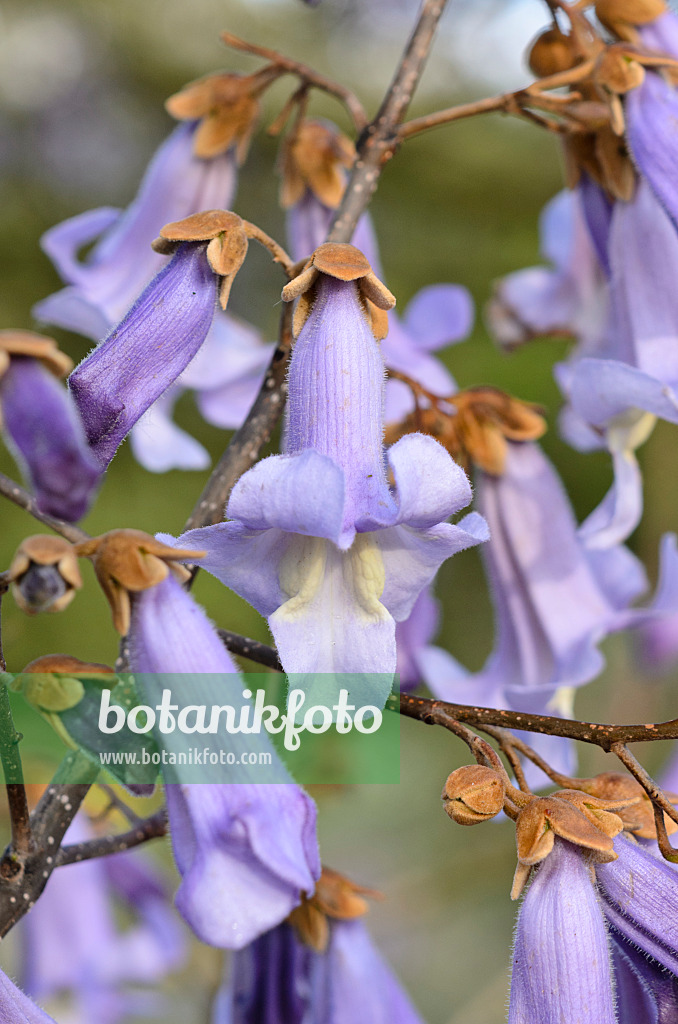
[(306, 73), (247, 442), (508, 102), (508, 749), (653, 790), (276, 250), (507, 740), (667, 851), (380, 138), (115, 803), (252, 649), (148, 828), (14, 779), (24, 500), (4, 587), (604, 736)]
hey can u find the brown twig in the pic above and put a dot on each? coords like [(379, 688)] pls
[(508, 740), (247, 442), (380, 139), (604, 736), (507, 103), (115, 803), (148, 828), (24, 500), (653, 790), (306, 73), (505, 740), (276, 250), (252, 649)]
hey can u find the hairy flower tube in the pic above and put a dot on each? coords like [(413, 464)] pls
[(42, 425), (17, 1008), (245, 851), (318, 541)]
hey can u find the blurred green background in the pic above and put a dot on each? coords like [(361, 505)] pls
[(82, 83)]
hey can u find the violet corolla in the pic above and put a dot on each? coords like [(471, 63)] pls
[(43, 427), (246, 851), (162, 332), (314, 165), (319, 965), (318, 541)]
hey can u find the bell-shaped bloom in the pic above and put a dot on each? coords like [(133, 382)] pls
[(73, 944), (554, 601), (17, 1008), (125, 374), (279, 980), (318, 541), (103, 286), (42, 425), (245, 851), (561, 958), (438, 315)]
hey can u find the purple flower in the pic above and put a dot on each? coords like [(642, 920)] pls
[(561, 958), (103, 287), (554, 601), (319, 542), (72, 942), (124, 375), (438, 315), (16, 1008), (279, 980), (247, 851), (43, 428), (639, 897), (645, 992)]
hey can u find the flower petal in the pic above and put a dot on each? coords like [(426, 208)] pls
[(651, 112), (146, 352), (245, 852), (439, 315), (160, 445), (296, 493), (604, 388), (412, 557), (430, 486)]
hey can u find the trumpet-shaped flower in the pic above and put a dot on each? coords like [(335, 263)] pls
[(561, 958), (554, 600), (43, 427), (245, 851), (314, 179), (101, 288), (318, 541)]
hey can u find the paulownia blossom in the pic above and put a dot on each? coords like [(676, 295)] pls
[(314, 165), (246, 851), (318, 541), (578, 939), (554, 599), (148, 350), (194, 169), (42, 425), (72, 943), (320, 966)]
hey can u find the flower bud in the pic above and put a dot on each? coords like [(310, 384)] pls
[(44, 574), (130, 561), (335, 898), (618, 15), (53, 683), (551, 52), (473, 794)]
